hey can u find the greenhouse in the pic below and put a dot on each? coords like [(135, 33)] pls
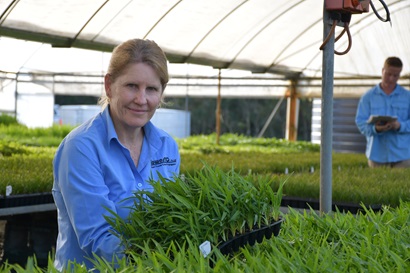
[(329, 52)]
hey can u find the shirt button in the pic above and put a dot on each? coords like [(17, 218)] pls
[(139, 185)]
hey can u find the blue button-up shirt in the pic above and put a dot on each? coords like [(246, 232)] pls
[(390, 146), (94, 172)]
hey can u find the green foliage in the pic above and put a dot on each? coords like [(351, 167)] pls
[(370, 186), (26, 173), (7, 120), (212, 205), (253, 162), (37, 137), (308, 242), (26, 164), (370, 242), (229, 143), (9, 148)]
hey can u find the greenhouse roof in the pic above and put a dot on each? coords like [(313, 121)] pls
[(263, 36)]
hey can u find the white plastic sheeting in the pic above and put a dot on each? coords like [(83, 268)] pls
[(281, 36), (34, 106)]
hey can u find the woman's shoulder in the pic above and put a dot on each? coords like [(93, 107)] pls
[(89, 131), (159, 138), (154, 131)]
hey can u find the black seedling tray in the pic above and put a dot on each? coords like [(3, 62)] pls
[(251, 237)]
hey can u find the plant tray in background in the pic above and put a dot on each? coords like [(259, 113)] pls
[(26, 200), (307, 203)]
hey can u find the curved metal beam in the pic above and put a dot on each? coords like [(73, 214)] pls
[(261, 30), (162, 17), (112, 18), (72, 40), (7, 11), (213, 28), (297, 37)]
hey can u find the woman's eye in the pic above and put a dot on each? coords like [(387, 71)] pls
[(151, 88)]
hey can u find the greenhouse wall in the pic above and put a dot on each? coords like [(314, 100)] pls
[(346, 136)]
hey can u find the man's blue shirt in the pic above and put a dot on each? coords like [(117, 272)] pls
[(94, 172), (385, 147)]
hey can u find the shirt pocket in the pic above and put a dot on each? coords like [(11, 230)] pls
[(401, 109), (378, 110)]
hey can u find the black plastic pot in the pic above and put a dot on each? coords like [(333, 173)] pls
[(31, 234), (29, 229), (251, 237)]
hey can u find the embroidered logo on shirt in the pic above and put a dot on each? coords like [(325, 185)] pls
[(163, 161)]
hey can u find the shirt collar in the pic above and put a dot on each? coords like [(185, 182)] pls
[(152, 135), (111, 133), (380, 90)]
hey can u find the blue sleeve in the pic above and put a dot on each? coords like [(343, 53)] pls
[(362, 115), (86, 197), (404, 112)]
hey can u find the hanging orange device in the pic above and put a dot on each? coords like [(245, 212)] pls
[(348, 6)]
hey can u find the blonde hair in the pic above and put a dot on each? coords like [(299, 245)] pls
[(137, 51)]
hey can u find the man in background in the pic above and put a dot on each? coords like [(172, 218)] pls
[(388, 142)]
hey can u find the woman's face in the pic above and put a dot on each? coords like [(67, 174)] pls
[(134, 96)]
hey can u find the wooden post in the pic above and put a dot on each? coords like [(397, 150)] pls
[(292, 113)]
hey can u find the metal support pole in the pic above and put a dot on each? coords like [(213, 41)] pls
[(16, 95), (218, 109), (326, 118)]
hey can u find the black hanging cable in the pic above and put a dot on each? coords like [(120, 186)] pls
[(329, 35), (341, 34), (345, 18), (335, 16), (349, 36), (387, 19)]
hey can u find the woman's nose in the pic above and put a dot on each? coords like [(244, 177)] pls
[(140, 96)]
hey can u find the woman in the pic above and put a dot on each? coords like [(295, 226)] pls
[(106, 159)]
